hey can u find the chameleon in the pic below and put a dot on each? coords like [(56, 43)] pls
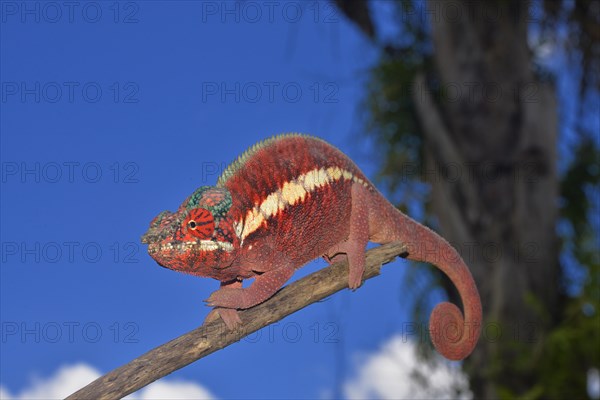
[(285, 201)]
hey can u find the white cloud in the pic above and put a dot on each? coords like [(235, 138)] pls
[(172, 390), (3, 393), (396, 372), (64, 382), (70, 378)]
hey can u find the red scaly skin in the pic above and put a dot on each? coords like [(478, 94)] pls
[(286, 201)]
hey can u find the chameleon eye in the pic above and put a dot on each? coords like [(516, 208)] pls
[(200, 223)]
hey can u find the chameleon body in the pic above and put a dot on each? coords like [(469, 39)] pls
[(285, 201)]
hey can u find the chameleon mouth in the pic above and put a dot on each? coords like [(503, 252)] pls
[(201, 245)]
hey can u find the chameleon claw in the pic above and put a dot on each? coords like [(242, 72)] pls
[(230, 317)]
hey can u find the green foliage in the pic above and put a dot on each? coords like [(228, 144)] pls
[(582, 175), (389, 100), (394, 122), (571, 348)]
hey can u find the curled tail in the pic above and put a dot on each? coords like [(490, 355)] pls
[(452, 334)]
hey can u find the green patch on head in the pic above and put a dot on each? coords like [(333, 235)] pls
[(194, 200), (215, 199)]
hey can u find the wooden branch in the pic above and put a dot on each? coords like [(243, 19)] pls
[(445, 154), (437, 135), (214, 336)]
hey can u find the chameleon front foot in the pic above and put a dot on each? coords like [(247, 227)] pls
[(229, 298)]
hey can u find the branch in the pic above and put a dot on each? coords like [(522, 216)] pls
[(357, 11), (445, 154), (434, 128), (214, 336)]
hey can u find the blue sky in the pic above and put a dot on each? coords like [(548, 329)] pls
[(113, 112)]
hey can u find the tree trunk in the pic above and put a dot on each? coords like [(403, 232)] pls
[(492, 133)]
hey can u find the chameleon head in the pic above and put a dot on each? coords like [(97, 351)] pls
[(199, 237)]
